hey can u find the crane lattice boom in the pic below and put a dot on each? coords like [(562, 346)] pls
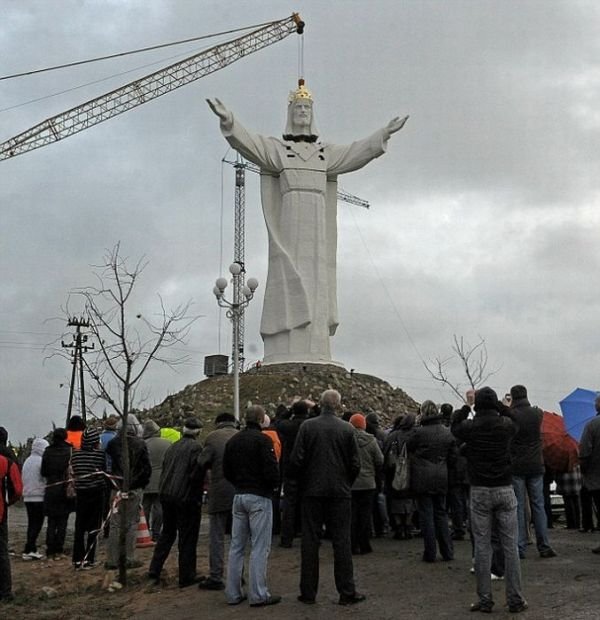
[(149, 87)]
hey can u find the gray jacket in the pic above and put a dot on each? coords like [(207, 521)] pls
[(157, 446), (220, 490), (371, 461)]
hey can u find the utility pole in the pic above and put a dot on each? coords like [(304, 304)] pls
[(80, 347)]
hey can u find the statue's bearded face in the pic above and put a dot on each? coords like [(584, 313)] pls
[(301, 115)]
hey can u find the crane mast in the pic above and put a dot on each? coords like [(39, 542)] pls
[(239, 251), (149, 87)]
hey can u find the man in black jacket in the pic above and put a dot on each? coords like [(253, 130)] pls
[(288, 430), (487, 438), (528, 470), (249, 463), (326, 461), (180, 491)]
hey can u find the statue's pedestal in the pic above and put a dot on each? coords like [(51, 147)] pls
[(283, 360)]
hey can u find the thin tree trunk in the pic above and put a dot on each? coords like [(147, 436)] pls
[(125, 504)]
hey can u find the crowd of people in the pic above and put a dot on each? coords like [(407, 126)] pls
[(314, 472)]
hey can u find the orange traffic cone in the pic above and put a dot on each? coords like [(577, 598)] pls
[(143, 538)]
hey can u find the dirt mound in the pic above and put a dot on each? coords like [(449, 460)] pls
[(278, 384)]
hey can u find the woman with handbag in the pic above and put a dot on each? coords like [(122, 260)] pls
[(401, 504)]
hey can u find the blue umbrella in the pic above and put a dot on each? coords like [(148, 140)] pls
[(577, 408)]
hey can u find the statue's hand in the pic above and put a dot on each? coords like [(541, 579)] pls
[(219, 109), (396, 124)]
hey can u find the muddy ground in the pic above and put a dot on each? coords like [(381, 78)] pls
[(396, 582)]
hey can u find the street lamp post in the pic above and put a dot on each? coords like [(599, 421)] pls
[(235, 311)]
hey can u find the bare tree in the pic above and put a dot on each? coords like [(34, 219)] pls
[(127, 343), (472, 360)]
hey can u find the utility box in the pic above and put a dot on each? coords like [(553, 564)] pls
[(216, 365)]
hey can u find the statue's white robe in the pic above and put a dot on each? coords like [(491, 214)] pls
[(298, 191)]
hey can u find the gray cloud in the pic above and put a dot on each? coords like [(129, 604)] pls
[(483, 216)]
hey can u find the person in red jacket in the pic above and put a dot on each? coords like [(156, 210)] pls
[(11, 490)]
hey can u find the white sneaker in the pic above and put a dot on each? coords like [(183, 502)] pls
[(36, 555), (27, 557), (497, 577)]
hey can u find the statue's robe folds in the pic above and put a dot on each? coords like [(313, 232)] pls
[(299, 199)]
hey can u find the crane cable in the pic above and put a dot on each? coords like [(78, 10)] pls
[(137, 51), (301, 56), (98, 81), (221, 243)]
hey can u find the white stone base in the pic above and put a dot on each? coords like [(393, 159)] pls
[(293, 359)]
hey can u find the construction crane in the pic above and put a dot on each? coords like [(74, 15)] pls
[(239, 235), (149, 87)]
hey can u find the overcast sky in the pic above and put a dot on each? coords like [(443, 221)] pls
[(484, 211)]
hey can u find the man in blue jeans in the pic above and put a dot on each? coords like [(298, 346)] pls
[(486, 440), (528, 470), (250, 465)]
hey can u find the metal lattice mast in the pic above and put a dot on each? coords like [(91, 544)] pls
[(239, 252), (149, 87)]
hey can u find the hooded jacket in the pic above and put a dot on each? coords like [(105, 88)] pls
[(371, 461), (34, 483), (487, 439)]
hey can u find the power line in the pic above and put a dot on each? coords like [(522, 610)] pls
[(129, 53), (8, 331)]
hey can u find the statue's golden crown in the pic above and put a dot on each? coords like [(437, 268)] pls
[(301, 94)]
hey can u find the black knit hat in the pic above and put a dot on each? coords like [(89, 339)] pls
[(224, 417), (486, 398)]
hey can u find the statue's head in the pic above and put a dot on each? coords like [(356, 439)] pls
[(300, 118)]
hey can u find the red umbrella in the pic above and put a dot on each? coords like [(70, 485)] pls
[(561, 451)]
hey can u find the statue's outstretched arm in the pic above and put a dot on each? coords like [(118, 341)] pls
[(217, 106), (396, 124)]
